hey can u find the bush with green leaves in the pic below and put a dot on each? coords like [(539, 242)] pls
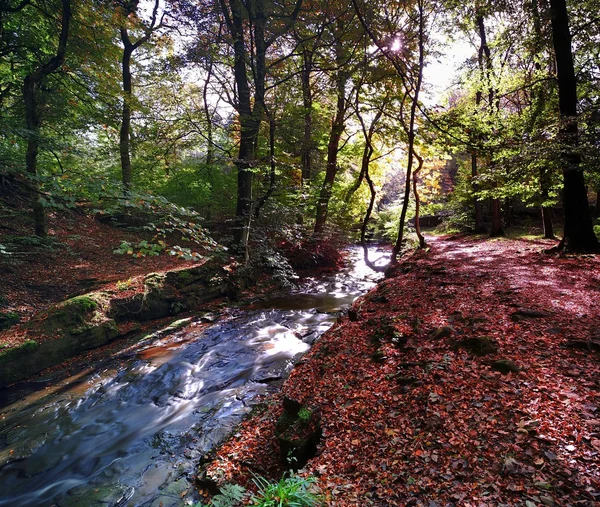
[(169, 220)]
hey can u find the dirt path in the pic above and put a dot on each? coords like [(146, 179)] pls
[(413, 408)]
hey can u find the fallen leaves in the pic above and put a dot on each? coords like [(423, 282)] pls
[(434, 424)]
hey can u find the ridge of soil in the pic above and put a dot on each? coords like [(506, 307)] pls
[(411, 415)]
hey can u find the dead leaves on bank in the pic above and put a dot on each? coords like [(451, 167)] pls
[(427, 421)]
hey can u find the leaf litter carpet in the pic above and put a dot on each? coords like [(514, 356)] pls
[(468, 378)]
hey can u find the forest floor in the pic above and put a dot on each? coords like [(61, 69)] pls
[(76, 257), (416, 400)]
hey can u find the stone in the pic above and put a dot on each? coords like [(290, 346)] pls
[(441, 332), (353, 315), (526, 313), (478, 345), (505, 366)]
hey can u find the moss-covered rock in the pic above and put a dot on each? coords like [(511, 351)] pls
[(31, 358), (173, 292), (299, 433), (8, 319), (89, 321)]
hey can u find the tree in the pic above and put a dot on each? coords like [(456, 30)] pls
[(343, 44), (247, 24), (127, 12), (579, 233), (33, 117)]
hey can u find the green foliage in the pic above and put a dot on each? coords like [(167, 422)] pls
[(124, 284), (230, 495), (304, 414), (176, 222), (292, 491), (141, 249)]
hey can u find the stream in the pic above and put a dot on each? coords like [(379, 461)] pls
[(131, 432)]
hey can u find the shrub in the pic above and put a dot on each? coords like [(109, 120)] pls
[(293, 491)]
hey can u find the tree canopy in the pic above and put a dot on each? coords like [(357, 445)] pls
[(299, 120)]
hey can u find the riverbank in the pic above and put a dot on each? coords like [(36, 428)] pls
[(129, 427), (470, 377)]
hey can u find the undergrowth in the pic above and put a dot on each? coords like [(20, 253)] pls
[(291, 491)]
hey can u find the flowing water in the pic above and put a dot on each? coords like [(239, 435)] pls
[(129, 433)]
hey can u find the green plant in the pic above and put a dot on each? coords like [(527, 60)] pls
[(304, 414), (141, 249), (230, 495), (124, 284), (293, 491)]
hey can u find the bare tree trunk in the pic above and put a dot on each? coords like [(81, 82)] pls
[(539, 98), (422, 243), (367, 152), (210, 150), (125, 131), (546, 211), (497, 229), (365, 225), (33, 119), (272, 173), (411, 135), (337, 129), (579, 233), (307, 102), (128, 49), (479, 225)]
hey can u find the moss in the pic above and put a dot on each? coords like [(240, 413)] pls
[(21, 350), (85, 303), (304, 415), (8, 319), (184, 275)]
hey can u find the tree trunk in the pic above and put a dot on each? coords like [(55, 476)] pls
[(539, 99), (484, 50), (210, 149), (307, 101), (411, 134), (125, 132), (546, 211), (337, 129), (33, 119), (497, 229), (367, 151), (479, 225), (128, 49), (250, 117), (579, 233), (422, 243)]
